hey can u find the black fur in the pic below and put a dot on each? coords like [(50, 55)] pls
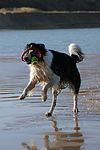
[(64, 66)]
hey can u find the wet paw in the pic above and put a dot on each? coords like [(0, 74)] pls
[(75, 110), (48, 114), (22, 96), (44, 96)]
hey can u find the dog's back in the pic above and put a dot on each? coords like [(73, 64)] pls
[(64, 66)]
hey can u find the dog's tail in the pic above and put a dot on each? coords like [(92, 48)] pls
[(75, 52)]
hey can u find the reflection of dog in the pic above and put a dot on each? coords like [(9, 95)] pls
[(73, 140), (54, 70), (63, 140)]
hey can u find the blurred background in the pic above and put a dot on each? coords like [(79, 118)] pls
[(49, 14)]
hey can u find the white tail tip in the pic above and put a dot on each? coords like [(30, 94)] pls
[(75, 50)]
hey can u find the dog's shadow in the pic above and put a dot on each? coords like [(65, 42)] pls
[(60, 140)]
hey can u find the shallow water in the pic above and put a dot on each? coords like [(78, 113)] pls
[(23, 123)]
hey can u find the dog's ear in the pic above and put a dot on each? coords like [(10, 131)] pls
[(41, 46), (29, 45)]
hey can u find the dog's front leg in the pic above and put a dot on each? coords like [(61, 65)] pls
[(53, 103), (29, 87)]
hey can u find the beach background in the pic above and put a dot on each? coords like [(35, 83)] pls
[(23, 123), (51, 14), (56, 23)]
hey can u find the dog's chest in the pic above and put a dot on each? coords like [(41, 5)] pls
[(42, 74)]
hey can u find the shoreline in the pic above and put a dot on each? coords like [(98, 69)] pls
[(48, 20)]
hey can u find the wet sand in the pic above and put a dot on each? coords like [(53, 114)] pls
[(23, 123)]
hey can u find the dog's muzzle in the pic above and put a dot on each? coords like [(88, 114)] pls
[(27, 59), (26, 56)]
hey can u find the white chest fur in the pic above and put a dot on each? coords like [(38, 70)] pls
[(42, 71)]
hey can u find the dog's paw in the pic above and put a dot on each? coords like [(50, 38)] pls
[(48, 114), (44, 96), (75, 110), (22, 96)]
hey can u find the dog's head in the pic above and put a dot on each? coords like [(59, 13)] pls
[(33, 53)]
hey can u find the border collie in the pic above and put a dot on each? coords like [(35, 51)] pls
[(53, 70)]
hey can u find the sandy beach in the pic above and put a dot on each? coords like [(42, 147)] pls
[(23, 123)]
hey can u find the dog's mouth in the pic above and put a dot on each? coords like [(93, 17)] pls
[(33, 61), (28, 62)]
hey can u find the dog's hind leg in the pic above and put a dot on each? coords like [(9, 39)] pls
[(53, 104), (75, 108)]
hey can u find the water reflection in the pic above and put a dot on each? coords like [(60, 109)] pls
[(58, 140), (33, 146)]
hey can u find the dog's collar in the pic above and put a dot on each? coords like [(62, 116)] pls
[(31, 48)]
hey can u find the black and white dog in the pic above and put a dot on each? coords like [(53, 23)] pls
[(54, 70)]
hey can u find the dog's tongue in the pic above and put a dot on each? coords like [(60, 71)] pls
[(34, 60)]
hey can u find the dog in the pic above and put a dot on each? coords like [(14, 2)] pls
[(53, 70)]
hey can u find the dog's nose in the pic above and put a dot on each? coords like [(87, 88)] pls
[(26, 58)]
